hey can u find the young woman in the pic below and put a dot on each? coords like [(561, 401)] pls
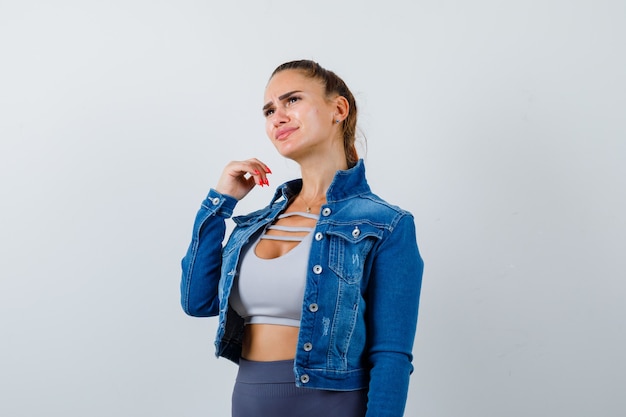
[(317, 293)]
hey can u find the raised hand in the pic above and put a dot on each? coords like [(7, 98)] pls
[(239, 177)]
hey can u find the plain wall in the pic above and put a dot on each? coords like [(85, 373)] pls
[(500, 125)]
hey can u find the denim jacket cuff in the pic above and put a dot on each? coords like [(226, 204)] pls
[(221, 204)]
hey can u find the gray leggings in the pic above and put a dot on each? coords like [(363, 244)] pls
[(267, 389)]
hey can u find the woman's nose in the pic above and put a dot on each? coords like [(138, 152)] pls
[(280, 117)]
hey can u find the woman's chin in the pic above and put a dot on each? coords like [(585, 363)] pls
[(286, 151)]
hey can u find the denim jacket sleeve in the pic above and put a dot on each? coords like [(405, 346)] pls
[(202, 264), (393, 301)]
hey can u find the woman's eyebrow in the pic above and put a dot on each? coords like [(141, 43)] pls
[(281, 98)]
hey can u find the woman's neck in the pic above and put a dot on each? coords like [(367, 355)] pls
[(318, 175)]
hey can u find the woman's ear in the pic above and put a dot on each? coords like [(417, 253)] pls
[(342, 108)]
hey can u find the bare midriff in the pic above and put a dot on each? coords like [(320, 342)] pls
[(269, 342)]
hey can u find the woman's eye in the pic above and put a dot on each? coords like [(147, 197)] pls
[(292, 99), (268, 112)]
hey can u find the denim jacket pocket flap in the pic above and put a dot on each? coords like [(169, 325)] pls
[(349, 246), (355, 232)]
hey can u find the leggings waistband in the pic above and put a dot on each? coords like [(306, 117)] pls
[(275, 372)]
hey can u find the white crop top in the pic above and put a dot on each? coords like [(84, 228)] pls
[(270, 291)]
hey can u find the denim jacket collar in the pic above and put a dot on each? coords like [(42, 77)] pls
[(346, 183)]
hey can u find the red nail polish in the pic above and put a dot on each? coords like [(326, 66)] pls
[(256, 171), (268, 170)]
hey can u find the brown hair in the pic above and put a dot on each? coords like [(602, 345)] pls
[(332, 85)]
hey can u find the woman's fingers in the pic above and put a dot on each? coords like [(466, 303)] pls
[(256, 169), (239, 177)]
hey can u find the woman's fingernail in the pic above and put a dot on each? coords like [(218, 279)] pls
[(256, 171), (268, 170)]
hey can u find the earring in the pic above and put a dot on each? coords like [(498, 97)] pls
[(337, 121)]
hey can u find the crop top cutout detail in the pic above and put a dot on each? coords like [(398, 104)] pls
[(270, 291)]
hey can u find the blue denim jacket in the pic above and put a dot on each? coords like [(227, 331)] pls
[(359, 312)]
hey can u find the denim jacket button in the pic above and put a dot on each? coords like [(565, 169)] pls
[(356, 232), (307, 347), (317, 269), (215, 201), (326, 212), (319, 236), (304, 379), (313, 307)]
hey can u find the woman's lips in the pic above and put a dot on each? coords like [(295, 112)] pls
[(284, 132)]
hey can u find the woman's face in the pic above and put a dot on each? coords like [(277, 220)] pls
[(299, 119)]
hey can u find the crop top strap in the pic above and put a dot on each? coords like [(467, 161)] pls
[(301, 214), (291, 228), (290, 235)]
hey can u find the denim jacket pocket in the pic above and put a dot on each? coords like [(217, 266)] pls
[(349, 246)]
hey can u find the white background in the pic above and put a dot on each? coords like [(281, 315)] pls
[(499, 124)]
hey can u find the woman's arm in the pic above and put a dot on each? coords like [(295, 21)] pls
[(203, 261), (393, 300)]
